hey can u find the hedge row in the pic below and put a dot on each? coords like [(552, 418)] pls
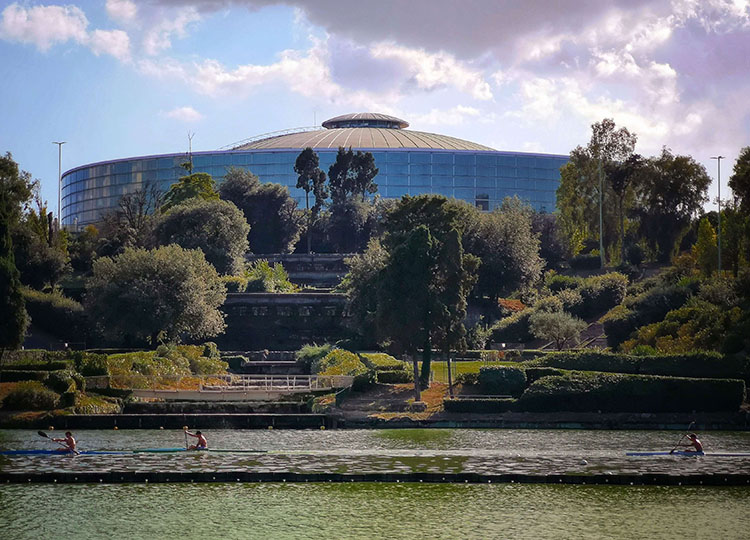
[(31, 396), (60, 316), (610, 392), (16, 375), (383, 362), (394, 377), (479, 405), (502, 380), (699, 365)]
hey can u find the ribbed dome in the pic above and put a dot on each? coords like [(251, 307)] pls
[(365, 120)]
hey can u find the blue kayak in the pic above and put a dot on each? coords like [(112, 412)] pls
[(124, 452)]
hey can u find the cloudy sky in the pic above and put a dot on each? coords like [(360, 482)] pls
[(120, 78)]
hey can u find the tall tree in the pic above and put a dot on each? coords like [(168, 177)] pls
[(311, 179), (271, 212), (14, 320), (509, 249), (621, 176), (421, 299), (670, 190), (196, 185), (578, 194), (216, 227), (170, 291), (705, 249), (352, 174), (739, 182)]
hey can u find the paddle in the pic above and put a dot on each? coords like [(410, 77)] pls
[(683, 436), (43, 434), (185, 428)]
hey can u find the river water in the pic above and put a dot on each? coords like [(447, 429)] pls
[(392, 511)]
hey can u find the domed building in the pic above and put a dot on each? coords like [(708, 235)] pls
[(409, 163)]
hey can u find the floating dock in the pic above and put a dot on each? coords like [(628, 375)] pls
[(143, 477)]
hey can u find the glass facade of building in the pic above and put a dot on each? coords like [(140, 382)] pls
[(482, 178)]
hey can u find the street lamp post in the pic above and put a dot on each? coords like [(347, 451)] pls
[(59, 180), (718, 166)]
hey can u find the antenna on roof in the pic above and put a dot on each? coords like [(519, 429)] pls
[(188, 165)]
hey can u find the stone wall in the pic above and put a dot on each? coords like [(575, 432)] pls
[(282, 321)]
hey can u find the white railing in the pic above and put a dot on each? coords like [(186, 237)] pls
[(276, 383)]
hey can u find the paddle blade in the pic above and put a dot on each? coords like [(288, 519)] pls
[(42, 434)]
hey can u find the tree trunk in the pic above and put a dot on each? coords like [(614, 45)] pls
[(450, 375), (424, 378), (417, 395), (309, 220), (622, 232)]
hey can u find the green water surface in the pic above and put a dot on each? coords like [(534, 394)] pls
[(372, 511)]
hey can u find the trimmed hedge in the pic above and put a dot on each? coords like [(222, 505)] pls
[(479, 405), (535, 373), (311, 353), (16, 375), (62, 317), (340, 362), (37, 359), (710, 365), (383, 362), (394, 377), (61, 381), (467, 378), (31, 396), (90, 364), (616, 392), (502, 380)]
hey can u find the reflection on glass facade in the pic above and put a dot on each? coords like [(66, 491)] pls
[(482, 178)]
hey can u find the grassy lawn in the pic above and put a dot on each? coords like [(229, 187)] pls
[(440, 368)]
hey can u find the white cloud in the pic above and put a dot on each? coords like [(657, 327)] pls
[(159, 36), (43, 26), (122, 10), (184, 114), (112, 42)]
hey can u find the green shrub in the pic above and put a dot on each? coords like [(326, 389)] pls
[(618, 324), (644, 350), (235, 361), (615, 392), (211, 350), (589, 261), (340, 362), (557, 282), (311, 353), (90, 364), (90, 404), (513, 329), (394, 377), (502, 380), (16, 375), (601, 293), (62, 317), (31, 396), (467, 378), (479, 405), (235, 284), (635, 254), (262, 277), (696, 365), (383, 362), (61, 381)]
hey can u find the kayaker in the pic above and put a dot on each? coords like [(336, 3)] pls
[(694, 442), (202, 443), (68, 441)]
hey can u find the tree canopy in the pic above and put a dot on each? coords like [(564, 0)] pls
[(142, 295), (196, 185), (218, 228), (269, 209)]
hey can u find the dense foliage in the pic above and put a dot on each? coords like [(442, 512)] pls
[(142, 295)]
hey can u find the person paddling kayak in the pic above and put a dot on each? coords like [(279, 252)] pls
[(202, 444), (69, 443), (693, 442)]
